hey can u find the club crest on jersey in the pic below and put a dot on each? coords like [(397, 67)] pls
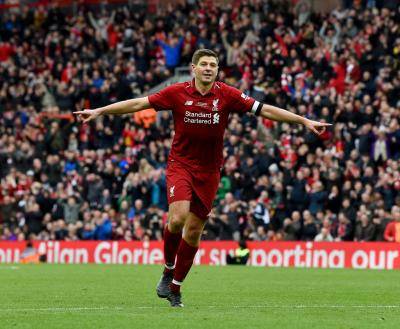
[(172, 191), (215, 105)]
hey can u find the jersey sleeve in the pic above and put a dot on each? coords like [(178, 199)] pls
[(163, 100), (240, 102)]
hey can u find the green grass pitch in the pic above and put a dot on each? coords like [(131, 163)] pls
[(120, 296)]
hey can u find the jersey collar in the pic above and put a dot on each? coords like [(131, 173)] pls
[(193, 91)]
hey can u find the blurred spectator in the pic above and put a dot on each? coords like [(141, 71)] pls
[(172, 50), (259, 235), (71, 210), (324, 235), (30, 255), (103, 229), (317, 198), (289, 231), (344, 229), (392, 231), (240, 256), (365, 229), (309, 228)]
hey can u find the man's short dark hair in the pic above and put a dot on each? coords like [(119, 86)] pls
[(203, 52)]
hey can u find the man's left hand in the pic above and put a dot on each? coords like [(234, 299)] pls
[(316, 127)]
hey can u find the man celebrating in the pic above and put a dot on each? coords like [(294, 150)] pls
[(201, 109)]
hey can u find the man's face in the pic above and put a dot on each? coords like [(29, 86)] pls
[(206, 69)]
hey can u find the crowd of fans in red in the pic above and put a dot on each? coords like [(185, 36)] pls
[(66, 181)]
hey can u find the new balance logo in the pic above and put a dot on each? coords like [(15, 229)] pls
[(187, 103), (172, 191), (215, 118), (243, 95)]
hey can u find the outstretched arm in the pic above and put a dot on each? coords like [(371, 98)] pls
[(124, 107), (93, 21), (240, 102), (225, 40), (161, 43), (250, 38), (111, 19), (277, 114)]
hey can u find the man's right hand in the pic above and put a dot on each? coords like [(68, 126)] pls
[(87, 115)]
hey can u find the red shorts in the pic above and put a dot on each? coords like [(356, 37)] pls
[(197, 187)]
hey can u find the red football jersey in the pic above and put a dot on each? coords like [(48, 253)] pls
[(200, 121)]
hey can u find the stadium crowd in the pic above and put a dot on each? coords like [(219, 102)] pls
[(106, 180)]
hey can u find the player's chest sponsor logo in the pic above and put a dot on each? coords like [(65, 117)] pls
[(201, 118)]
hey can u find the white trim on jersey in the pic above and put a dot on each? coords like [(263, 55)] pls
[(254, 107), (178, 283)]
